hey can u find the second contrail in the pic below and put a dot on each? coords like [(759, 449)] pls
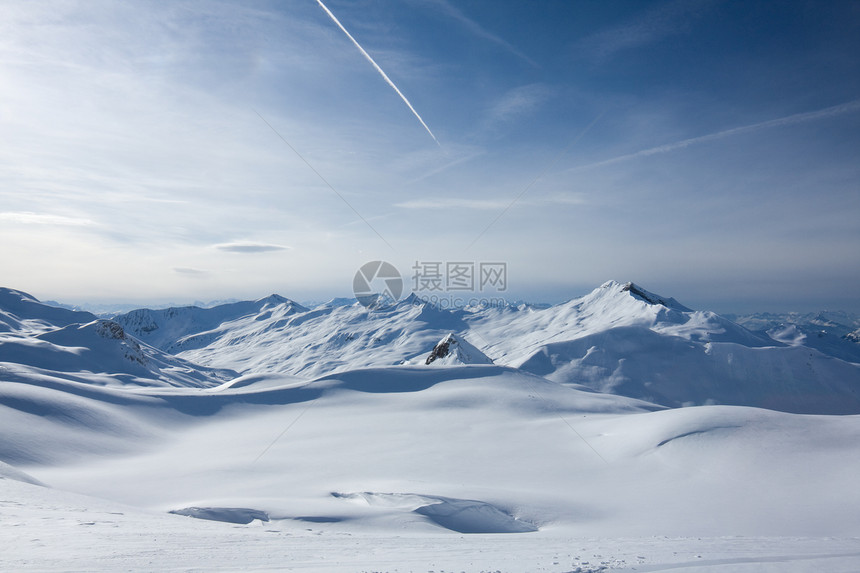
[(848, 107), (378, 69)]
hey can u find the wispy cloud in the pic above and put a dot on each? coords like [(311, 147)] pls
[(518, 102), (452, 203), (659, 22), (249, 247), (29, 218), (453, 12), (440, 203), (449, 165), (378, 69), (533, 181), (191, 272), (833, 111)]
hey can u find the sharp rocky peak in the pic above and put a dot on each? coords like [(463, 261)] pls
[(457, 350), (648, 297)]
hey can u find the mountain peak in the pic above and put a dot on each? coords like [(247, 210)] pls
[(15, 295), (412, 299), (274, 298), (454, 350), (25, 306), (640, 293)]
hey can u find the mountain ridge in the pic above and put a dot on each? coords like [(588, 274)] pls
[(619, 338)]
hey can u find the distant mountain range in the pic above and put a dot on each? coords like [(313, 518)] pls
[(619, 339)]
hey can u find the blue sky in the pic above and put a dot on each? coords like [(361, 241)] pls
[(178, 151)]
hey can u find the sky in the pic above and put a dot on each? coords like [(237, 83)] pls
[(707, 150)]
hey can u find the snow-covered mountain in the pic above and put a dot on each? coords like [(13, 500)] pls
[(620, 338), (288, 339), (20, 311), (176, 329), (41, 340)]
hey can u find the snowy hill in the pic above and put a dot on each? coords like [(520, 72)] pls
[(182, 328), (412, 462), (612, 305), (323, 340), (43, 340), (616, 340), (21, 311)]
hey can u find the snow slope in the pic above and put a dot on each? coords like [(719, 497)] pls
[(408, 467), (50, 530), (368, 448)]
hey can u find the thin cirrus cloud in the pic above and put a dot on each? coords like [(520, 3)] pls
[(449, 165), (248, 247), (30, 218), (472, 26), (828, 112), (659, 22), (191, 272), (518, 102), (489, 204)]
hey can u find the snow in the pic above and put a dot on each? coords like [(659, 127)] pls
[(323, 451), (49, 530)]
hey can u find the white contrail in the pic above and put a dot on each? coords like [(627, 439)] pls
[(848, 107), (378, 69)]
